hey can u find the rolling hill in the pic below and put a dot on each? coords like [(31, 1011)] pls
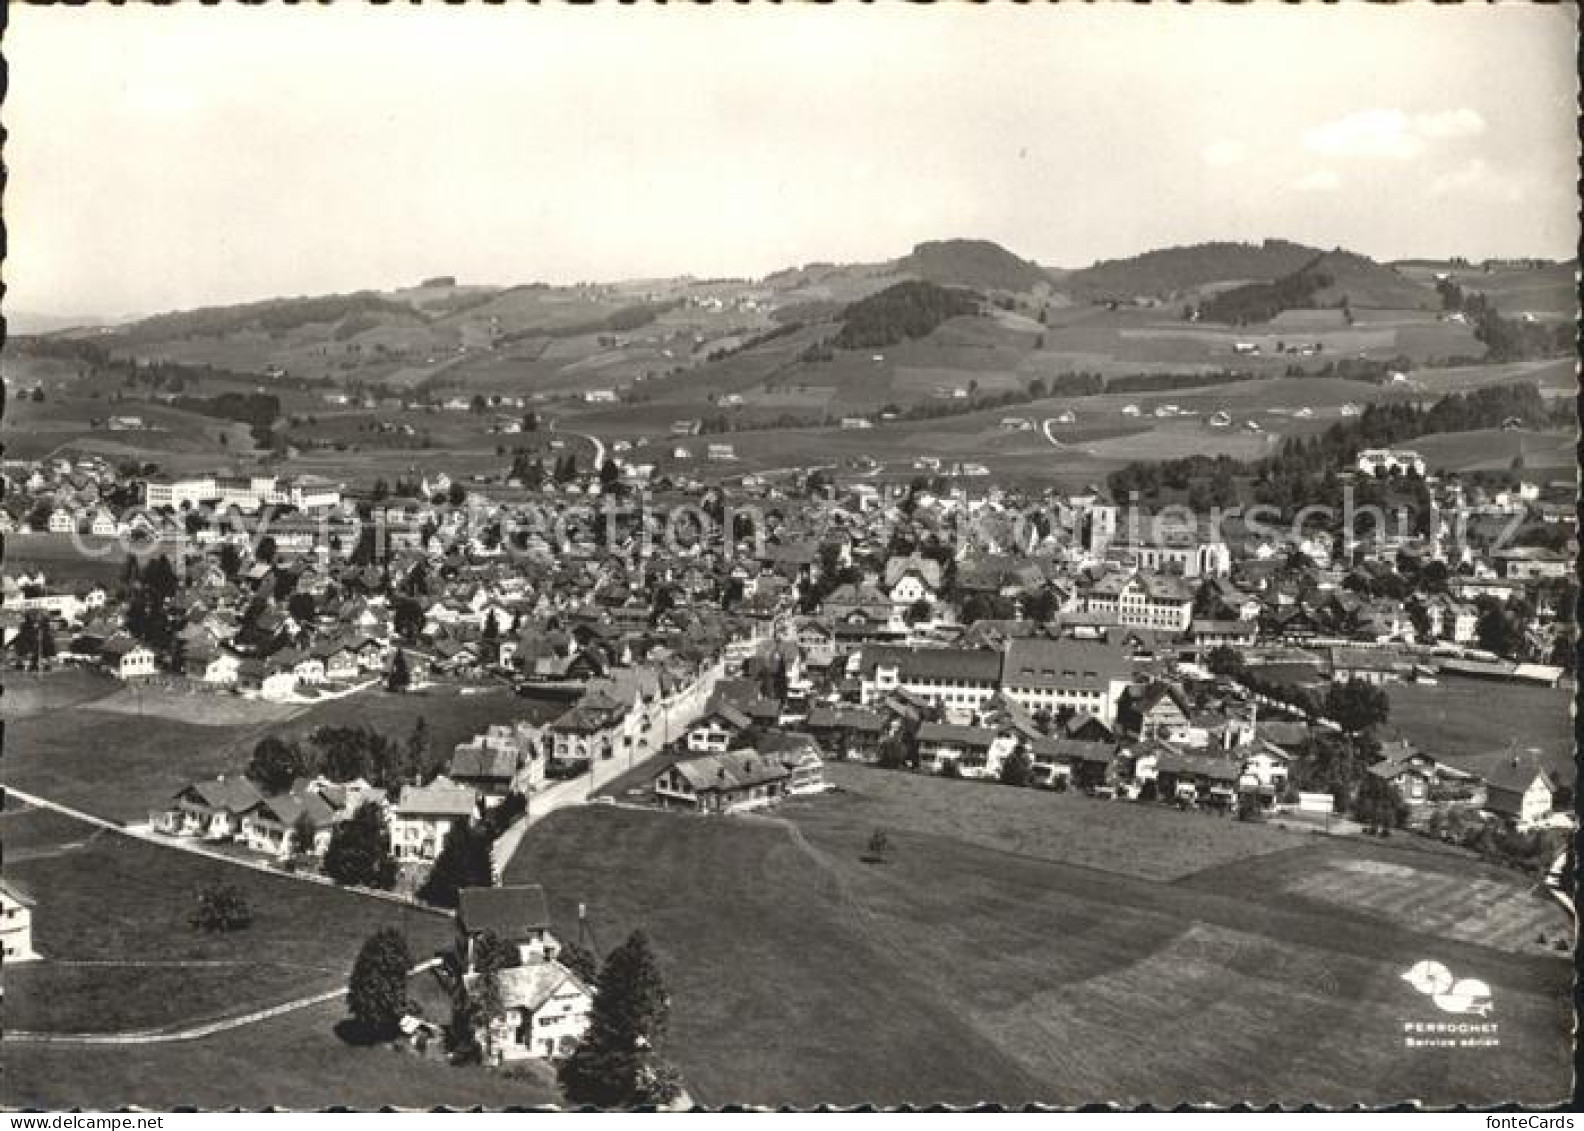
[(1329, 280), (979, 264), (1172, 271)]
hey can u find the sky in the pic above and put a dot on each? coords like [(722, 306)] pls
[(169, 157)]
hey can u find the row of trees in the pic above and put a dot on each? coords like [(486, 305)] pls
[(346, 753)]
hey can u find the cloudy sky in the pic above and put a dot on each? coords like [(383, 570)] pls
[(164, 158)]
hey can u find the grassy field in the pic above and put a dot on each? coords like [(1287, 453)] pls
[(956, 973), (115, 766), (116, 753), (1494, 449), (28, 694), (111, 916), (1150, 842), (63, 561), (450, 716), (295, 1062), (1475, 723)]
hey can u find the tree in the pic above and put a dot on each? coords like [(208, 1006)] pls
[(418, 750), (581, 961), (464, 862), (399, 678), (1378, 804), (1225, 660), (266, 550), (617, 1063), (305, 834), (359, 851), (276, 764), (1016, 768), (1499, 631), (892, 753), (221, 907), (610, 475), (878, 847), (377, 991), (301, 607), (918, 612)]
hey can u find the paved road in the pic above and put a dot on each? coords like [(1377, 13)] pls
[(599, 446), (577, 791), (1059, 445)]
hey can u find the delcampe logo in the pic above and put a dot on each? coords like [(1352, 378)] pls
[(1451, 995)]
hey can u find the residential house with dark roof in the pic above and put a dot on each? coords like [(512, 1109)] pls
[(1521, 791), (723, 783), (212, 809), (423, 816)]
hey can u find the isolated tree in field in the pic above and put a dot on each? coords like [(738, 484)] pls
[(464, 862), (399, 678), (617, 1064), (276, 764), (359, 851), (377, 991), (610, 475), (1016, 769), (221, 907), (418, 750), (879, 845)]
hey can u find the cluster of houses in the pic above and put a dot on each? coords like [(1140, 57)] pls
[(944, 599)]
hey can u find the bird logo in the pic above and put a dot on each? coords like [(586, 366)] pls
[(1451, 995)]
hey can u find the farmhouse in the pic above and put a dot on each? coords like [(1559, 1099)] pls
[(1411, 772), (211, 809), (1521, 792), (1081, 763), (273, 825), (723, 783), (488, 768), (717, 729), (544, 1011), (127, 658), (911, 579), (976, 751)]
